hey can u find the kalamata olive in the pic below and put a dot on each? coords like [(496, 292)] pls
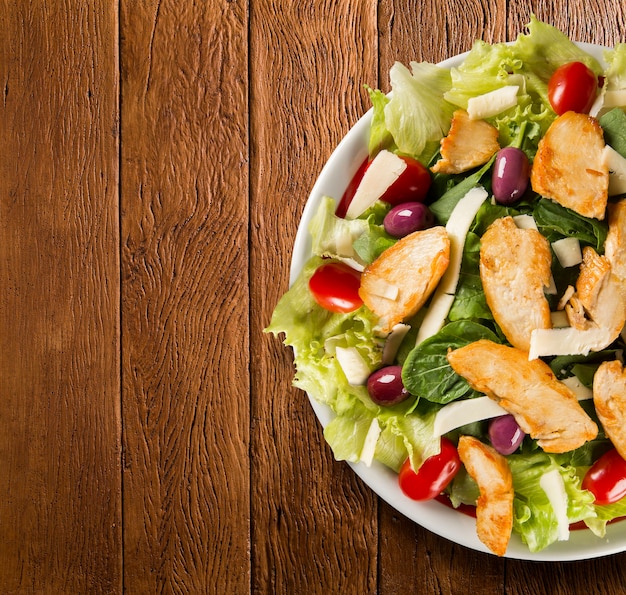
[(385, 386), (510, 176), (406, 218), (505, 435)]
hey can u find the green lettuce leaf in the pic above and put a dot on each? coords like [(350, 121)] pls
[(417, 116), (533, 516)]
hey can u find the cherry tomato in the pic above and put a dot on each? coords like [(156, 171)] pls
[(348, 195), (412, 185), (335, 287), (572, 87), (433, 476), (606, 479)]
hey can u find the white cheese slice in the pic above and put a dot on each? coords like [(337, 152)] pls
[(369, 444), (552, 484), (567, 341), (384, 170), (568, 252), (353, 365), (460, 413), (393, 342), (607, 101), (617, 170), (580, 390), (559, 319), (551, 288), (457, 227), (492, 103), (525, 222), (381, 288), (353, 264)]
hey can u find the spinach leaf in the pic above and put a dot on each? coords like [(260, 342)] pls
[(426, 372), (556, 222), (614, 125), (470, 301), (442, 208)]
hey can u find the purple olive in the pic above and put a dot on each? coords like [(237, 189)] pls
[(385, 386), (511, 173), (505, 435), (406, 218)]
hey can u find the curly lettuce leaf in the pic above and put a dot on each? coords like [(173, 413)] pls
[(417, 116)]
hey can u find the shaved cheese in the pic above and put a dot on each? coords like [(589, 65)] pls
[(384, 170), (567, 341), (369, 444), (607, 100), (457, 227), (552, 484), (551, 288), (492, 103), (353, 365), (525, 222), (393, 342), (617, 170), (381, 288), (568, 252), (559, 319), (460, 413), (578, 388)]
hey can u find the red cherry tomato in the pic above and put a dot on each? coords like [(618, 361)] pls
[(335, 287), (572, 87), (412, 185), (433, 476), (606, 479)]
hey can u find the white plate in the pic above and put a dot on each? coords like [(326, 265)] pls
[(434, 516)]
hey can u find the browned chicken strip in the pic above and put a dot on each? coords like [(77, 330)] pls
[(542, 406), (569, 167), (515, 270), (615, 245), (609, 398), (398, 283), (469, 143), (599, 297), (494, 508)]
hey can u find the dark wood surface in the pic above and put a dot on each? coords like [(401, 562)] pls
[(155, 158)]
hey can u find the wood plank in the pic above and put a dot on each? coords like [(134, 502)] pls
[(185, 297), (60, 494), (315, 522)]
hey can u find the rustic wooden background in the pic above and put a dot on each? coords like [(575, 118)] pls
[(155, 157)]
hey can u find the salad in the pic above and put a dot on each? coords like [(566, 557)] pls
[(462, 311)]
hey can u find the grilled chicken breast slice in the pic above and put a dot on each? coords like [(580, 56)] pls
[(494, 508), (515, 270), (615, 244), (569, 168), (398, 283), (609, 399), (469, 143), (599, 297), (543, 406)]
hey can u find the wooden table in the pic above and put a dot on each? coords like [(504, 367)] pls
[(155, 158)]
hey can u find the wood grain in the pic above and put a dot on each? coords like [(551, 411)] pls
[(185, 297), (60, 492), (314, 522)]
